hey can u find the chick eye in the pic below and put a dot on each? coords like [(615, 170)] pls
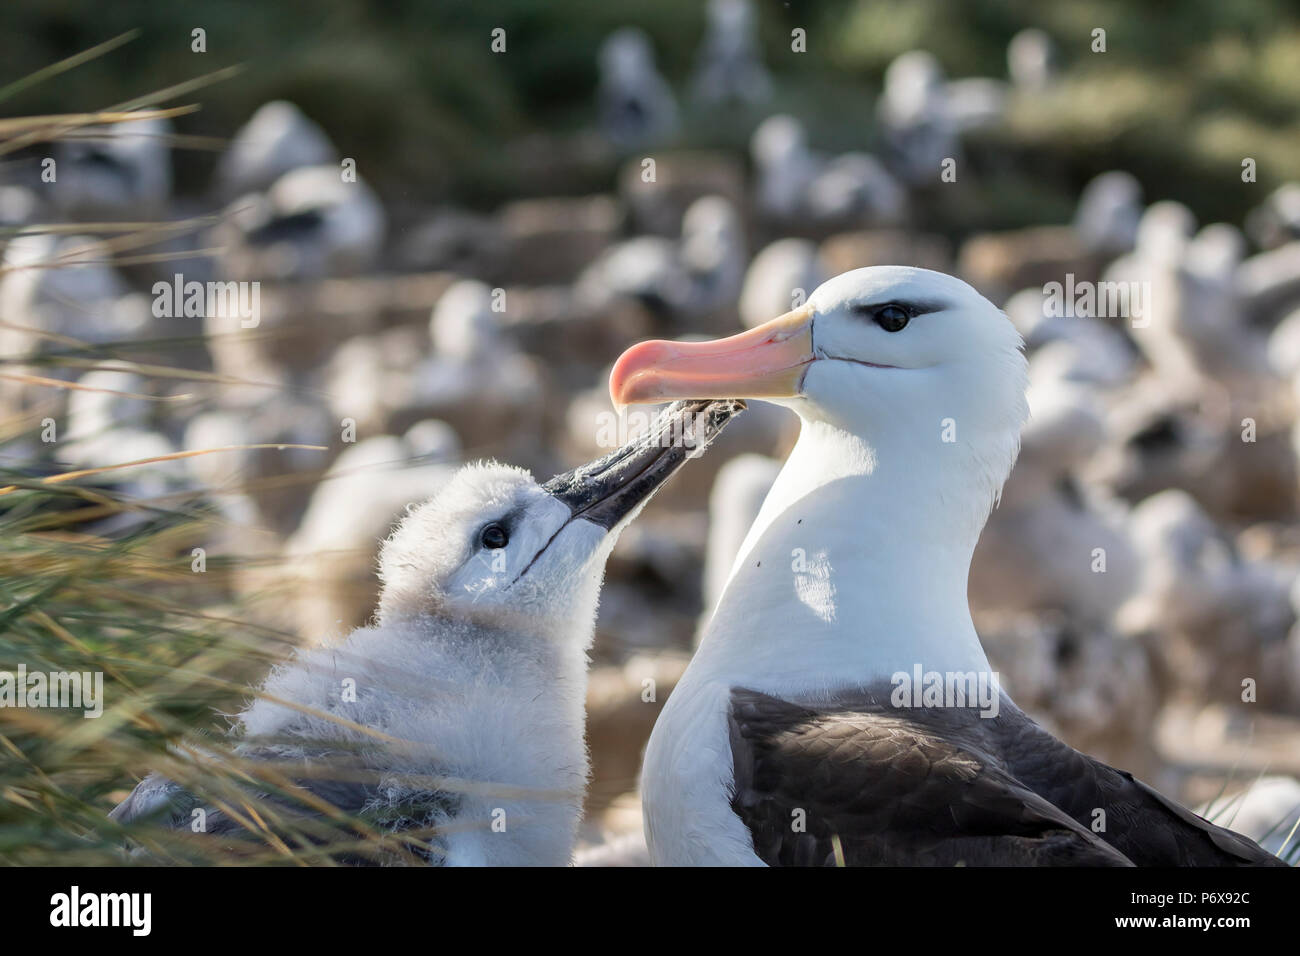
[(493, 537), (892, 318)]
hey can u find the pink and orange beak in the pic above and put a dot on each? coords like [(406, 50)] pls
[(766, 362)]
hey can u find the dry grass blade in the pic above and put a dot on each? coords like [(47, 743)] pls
[(20, 132), (148, 257), (80, 228), (180, 89), (85, 472), (77, 386), (25, 124), (63, 66), (103, 251), (156, 371)]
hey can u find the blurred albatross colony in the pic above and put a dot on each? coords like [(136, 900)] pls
[(439, 238)]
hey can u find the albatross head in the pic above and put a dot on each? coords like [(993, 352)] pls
[(497, 548), (915, 363), (911, 388)]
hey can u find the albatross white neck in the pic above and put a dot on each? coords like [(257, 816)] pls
[(855, 568)]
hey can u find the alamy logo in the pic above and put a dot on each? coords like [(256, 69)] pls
[(686, 431), (1101, 300), (216, 300), (922, 688), (56, 689), (75, 908)]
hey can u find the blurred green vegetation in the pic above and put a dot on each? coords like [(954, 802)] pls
[(411, 89)]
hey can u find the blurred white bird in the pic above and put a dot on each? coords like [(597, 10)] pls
[(277, 138), (795, 183), (1192, 327), (1056, 542), (64, 286), (1194, 585), (115, 171), (923, 114), (780, 278), (1076, 348), (729, 66), (679, 279), (1107, 214), (269, 486), (636, 105), (1031, 60), (310, 223), (1276, 221)]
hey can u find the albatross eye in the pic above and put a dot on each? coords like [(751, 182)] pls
[(494, 537), (892, 318)]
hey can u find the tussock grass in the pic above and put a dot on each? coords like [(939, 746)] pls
[(70, 601), (177, 655)]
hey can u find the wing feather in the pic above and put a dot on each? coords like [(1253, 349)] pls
[(863, 783)]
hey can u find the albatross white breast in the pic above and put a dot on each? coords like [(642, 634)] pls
[(791, 738)]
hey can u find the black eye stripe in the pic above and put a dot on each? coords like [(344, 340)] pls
[(912, 307), (868, 310)]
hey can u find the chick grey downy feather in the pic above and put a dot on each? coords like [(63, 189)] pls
[(455, 720)]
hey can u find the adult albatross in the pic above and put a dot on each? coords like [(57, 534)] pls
[(823, 718)]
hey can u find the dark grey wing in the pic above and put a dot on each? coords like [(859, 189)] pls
[(155, 798), (859, 787), (1143, 824), (363, 796), (166, 803)]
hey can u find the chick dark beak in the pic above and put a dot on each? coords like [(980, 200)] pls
[(608, 489)]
